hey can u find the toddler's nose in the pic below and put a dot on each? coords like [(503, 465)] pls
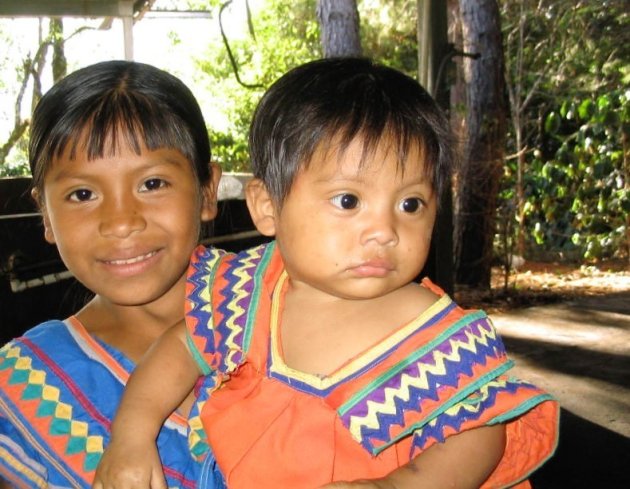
[(381, 229)]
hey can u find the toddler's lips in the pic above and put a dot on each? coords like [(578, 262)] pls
[(373, 268)]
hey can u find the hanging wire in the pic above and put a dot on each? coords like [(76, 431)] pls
[(227, 44)]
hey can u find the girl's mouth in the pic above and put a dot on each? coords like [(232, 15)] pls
[(130, 261)]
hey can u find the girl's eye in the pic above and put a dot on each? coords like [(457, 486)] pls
[(345, 201), (153, 184), (411, 205), (81, 195)]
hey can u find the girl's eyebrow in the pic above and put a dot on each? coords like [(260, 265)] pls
[(150, 165)]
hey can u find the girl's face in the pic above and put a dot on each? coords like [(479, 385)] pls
[(126, 225), (357, 232)]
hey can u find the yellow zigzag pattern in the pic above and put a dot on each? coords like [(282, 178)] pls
[(204, 303), (241, 272), (388, 406)]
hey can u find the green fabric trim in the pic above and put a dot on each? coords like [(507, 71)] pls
[(350, 403), (520, 409), (197, 357), (257, 289)]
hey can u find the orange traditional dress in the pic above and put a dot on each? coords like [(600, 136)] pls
[(270, 426)]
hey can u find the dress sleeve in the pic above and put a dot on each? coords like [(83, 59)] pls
[(221, 294), (454, 378), (19, 461), (203, 339), (531, 423), (203, 342)]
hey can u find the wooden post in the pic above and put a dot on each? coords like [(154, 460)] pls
[(126, 14), (433, 50)]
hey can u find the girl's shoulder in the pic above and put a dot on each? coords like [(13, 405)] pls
[(48, 331), (64, 350)]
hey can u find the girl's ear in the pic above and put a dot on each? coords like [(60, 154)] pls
[(209, 207), (39, 200), (261, 207)]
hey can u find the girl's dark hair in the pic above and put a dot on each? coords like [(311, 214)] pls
[(335, 100), (112, 104)]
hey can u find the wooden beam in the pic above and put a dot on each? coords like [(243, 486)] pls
[(432, 52), (66, 8)]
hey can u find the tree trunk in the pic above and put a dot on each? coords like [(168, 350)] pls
[(339, 27), (59, 62), (479, 177)]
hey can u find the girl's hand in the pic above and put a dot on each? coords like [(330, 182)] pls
[(131, 461), (130, 467)]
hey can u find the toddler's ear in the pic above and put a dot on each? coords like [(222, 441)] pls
[(39, 200), (209, 207), (261, 207)]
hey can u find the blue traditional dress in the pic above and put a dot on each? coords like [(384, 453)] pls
[(59, 390)]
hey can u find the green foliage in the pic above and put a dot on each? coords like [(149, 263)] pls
[(231, 153), (388, 33), (284, 35), (15, 169), (579, 199), (568, 72)]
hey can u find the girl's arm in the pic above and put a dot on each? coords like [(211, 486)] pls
[(463, 461), (158, 385)]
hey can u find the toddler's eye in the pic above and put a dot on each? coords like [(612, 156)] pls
[(153, 184), (345, 201), (411, 205), (81, 195)]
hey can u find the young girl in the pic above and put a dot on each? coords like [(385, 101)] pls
[(120, 158), (323, 362)]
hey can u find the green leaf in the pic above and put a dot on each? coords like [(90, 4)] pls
[(552, 123), (586, 109)]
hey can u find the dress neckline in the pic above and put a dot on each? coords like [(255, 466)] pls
[(103, 353), (352, 366)]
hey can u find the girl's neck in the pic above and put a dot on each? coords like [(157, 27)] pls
[(133, 328)]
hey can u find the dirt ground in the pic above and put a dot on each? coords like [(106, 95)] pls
[(536, 284), (568, 330)]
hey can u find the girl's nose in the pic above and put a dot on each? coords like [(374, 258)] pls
[(121, 219)]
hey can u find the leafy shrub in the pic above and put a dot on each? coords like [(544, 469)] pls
[(579, 198)]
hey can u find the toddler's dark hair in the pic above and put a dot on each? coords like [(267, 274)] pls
[(335, 100)]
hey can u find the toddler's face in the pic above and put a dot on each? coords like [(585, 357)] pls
[(356, 231), (125, 225)]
